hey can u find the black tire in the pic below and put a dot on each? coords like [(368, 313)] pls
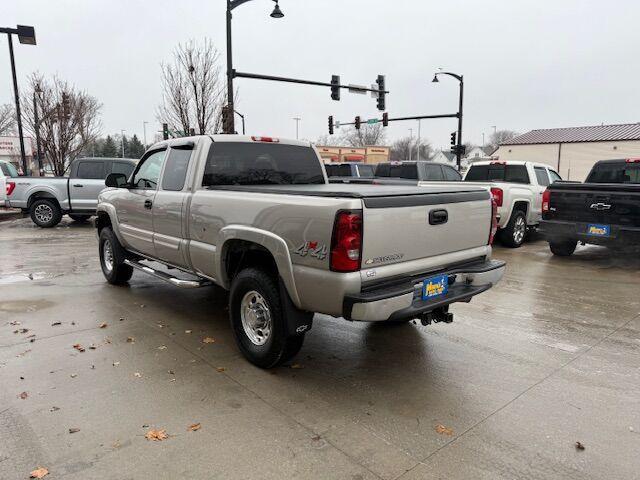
[(563, 248), (45, 213), (116, 271), (79, 218), (276, 347), (513, 234)]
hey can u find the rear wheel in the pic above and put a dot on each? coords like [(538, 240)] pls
[(112, 257), (563, 248), (258, 321), (79, 218), (45, 213), (513, 234)]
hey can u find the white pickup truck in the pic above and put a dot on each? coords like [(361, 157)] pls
[(517, 189), (257, 216)]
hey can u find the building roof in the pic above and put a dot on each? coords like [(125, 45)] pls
[(598, 133)]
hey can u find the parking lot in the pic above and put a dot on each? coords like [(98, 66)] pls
[(548, 358)]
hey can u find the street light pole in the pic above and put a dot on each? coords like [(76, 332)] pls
[(144, 133), (410, 142), (231, 4), (297, 119), (122, 141), (460, 79), (418, 148)]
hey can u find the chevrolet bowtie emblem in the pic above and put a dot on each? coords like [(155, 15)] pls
[(600, 206)]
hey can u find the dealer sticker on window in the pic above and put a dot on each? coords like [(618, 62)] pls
[(435, 287), (596, 230)]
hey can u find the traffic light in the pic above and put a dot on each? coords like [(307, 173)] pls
[(453, 140), (335, 87), (381, 93), (385, 119), (66, 106), (358, 122), (165, 131), (330, 124)]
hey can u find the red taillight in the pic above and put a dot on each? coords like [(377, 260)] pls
[(633, 160), (265, 139), (346, 244), (497, 194), (11, 186), (546, 198), (494, 221)]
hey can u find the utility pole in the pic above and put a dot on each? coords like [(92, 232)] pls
[(122, 141), (297, 119), (418, 154), (144, 133), (410, 142)]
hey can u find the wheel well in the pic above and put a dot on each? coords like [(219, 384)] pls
[(521, 207), (42, 195), (103, 220), (238, 254)]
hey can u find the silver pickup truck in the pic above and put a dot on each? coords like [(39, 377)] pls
[(256, 216), (47, 199)]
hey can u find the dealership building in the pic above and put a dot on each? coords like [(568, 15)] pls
[(10, 152), (373, 154), (573, 151)]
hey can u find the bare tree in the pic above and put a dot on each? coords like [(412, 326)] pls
[(367, 135), (68, 118), (328, 140), (7, 119), (407, 147), (499, 137), (193, 91)]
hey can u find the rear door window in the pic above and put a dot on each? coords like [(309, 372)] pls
[(450, 174), (8, 170), (259, 163), (554, 176), (175, 171), (541, 176), (91, 170), (433, 173), (122, 167)]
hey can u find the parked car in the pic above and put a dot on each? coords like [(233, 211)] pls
[(348, 170), (7, 173), (256, 216), (415, 172), (605, 210), (517, 188), (48, 198)]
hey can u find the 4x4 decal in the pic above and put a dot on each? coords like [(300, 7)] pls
[(313, 249)]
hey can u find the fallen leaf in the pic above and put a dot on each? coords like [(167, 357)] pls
[(208, 340), (73, 323), (92, 347), (579, 446), (23, 330), (131, 340), (172, 380), (54, 409), (39, 472), (121, 319), (23, 396), (142, 305), (156, 435), (14, 323), (23, 353), (188, 331), (73, 375), (296, 366), (170, 372), (116, 444), (162, 347), (103, 325), (315, 438), (193, 427), (79, 347), (74, 430), (115, 364), (55, 324), (444, 430), (137, 374), (220, 369), (160, 325)]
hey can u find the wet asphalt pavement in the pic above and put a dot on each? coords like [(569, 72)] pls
[(548, 358)]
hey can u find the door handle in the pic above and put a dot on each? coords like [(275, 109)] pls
[(148, 204), (78, 185), (438, 217)]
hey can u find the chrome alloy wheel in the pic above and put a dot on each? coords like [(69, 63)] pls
[(519, 230), (256, 317), (107, 256), (43, 213)]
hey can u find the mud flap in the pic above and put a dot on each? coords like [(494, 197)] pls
[(297, 321)]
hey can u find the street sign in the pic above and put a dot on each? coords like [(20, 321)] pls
[(372, 121), (359, 89), (336, 124)]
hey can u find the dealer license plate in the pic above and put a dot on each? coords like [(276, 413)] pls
[(597, 230), (435, 287)]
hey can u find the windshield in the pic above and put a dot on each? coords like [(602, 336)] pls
[(615, 173), (8, 170), (236, 163)]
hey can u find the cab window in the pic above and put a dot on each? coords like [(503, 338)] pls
[(541, 176), (365, 171), (91, 170), (175, 172), (148, 173), (433, 173), (554, 176), (451, 174), (122, 167)]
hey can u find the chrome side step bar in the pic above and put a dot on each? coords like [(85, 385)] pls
[(176, 282)]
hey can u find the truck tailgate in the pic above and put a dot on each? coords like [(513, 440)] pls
[(404, 228)]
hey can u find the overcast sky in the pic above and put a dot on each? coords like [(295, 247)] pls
[(527, 64)]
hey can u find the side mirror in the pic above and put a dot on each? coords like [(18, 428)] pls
[(117, 180)]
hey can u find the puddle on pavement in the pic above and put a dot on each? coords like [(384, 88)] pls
[(23, 277), (24, 306)]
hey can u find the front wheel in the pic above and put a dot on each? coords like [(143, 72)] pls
[(513, 234), (112, 257), (45, 213), (258, 320), (563, 248)]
